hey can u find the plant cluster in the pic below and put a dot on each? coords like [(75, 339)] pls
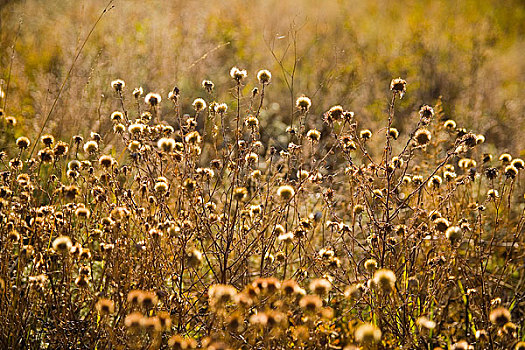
[(197, 234)]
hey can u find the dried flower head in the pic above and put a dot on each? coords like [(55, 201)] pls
[(153, 99), (320, 286), (454, 234), (138, 92), (221, 108), (398, 86), (238, 74), (311, 303), (367, 333), (422, 137), (303, 103), (240, 194), (286, 192), (91, 147), (166, 144), (62, 244), (22, 142), (264, 76), (450, 125), (47, 140), (208, 85), (371, 265), (199, 104), (385, 280), (313, 135), (118, 85), (105, 306), (500, 316)]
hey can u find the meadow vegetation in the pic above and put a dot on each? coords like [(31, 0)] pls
[(220, 177)]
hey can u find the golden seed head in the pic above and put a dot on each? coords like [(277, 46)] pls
[(365, 134), (105, 306), (311, 303), (320, 286), (106, 161), (264, 76), (394, 133), (303, 103), (286, 192), (91, 147), (505, 158), (426, 112), (252, 122), (62, 244), (193, 138), (221, 108), (118, 85), (82, 212), (22, 142), (422, 137), (511, 171), (153, 99), (371, 265), (138, 92), (208, 85), (313, 135), (240, 194), (367, 333), (500, 316), (398, 86), (454, 233), (117, 116), (199, 104), (518, 163), (166, 144), (238, 74), (385, 280)]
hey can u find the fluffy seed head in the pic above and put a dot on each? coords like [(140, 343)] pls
[(303, 103), (385, 280), (367, 333), (221, 108), (311, 303), (240, 194), (238, 74), (422, 137), (371, 265), (138, 92), (118, 85), (105, 161), (166, 144), (208, 85), (454, 234), (62, 244), (365, 134), (264, 76), (450, 124), (91, 147), (105, 306), (153, 99), (22, 142), (500, 316), (199, 104), (398, 86), (511, 171), (320, 286), (117, 116), (314, 135), (286, 192)]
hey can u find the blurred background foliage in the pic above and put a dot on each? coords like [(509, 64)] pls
[(470, 52)]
